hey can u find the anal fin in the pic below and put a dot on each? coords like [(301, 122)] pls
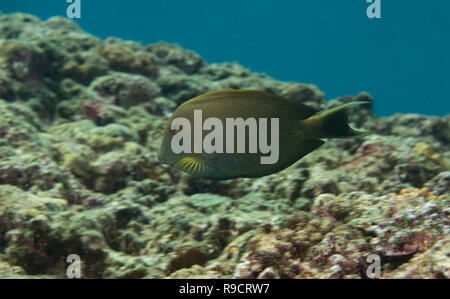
[(308, 146)]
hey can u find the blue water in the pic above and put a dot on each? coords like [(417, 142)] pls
[(402, 59)]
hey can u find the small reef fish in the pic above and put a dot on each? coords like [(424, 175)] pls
[(217, 135)]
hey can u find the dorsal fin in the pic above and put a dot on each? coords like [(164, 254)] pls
[(304, 111)]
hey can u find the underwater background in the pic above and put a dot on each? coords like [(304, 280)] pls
[(84, 104), (402, 59)]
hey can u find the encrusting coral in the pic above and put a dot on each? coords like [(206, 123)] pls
[(81, 120)]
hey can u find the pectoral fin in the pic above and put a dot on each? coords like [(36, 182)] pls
[(195, 166)]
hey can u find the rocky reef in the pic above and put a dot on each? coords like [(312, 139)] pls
[(81, 120)]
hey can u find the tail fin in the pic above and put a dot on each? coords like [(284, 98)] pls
[(334, 122)]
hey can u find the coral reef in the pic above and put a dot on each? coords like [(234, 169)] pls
[(81, 120)]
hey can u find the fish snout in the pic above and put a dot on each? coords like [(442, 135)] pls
[(160, 158)]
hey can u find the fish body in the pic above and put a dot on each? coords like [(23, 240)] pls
[(299, 132)]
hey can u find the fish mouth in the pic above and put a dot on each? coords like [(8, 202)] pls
[(160, 158)]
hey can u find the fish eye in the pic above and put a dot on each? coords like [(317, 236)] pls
[(171, 131)]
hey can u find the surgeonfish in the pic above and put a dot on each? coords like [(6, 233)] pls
[(201, 137)]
